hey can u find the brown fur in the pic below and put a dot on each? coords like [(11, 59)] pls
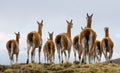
[(13, 48), (107, 45), (63, 42), (97, 51), (49, 49), (34, 40), (87, 35), (76, 46)]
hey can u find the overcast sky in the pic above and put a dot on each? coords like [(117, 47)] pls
[(21, 15)]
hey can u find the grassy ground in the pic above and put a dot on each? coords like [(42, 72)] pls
[(61, 68)]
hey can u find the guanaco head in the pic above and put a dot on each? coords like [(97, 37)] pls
[(89, 17), (106, 29), (17, 35), (89, 20), (40, 24), (50, 35), (83, 28), (70, 24)]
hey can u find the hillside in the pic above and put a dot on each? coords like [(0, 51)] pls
[(61, 68)]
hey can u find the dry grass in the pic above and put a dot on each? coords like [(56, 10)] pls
[(66, 67)]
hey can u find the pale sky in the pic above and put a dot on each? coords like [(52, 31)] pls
[(21, 15)]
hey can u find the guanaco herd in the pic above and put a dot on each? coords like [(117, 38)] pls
[(85, 44)]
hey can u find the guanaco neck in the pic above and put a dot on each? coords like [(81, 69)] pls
[(51, 38), (40, 30), (89, 21), (69, 31), (17, 39), (106, 32)]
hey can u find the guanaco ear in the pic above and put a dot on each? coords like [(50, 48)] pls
[(67, 21), (41, 21), (91, 16), (81, 27), (87, 15), (18, 32), (48, 32), (38, 22), (15, 33), (71, 21)]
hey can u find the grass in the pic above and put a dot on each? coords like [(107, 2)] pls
[(66, 67)]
